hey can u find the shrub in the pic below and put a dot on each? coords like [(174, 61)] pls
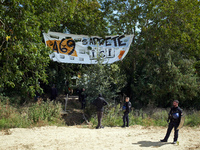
[(193, 119), (37, 114), (46, 111), (158, 117), (11, 117)]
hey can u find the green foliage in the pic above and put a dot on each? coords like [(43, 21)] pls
[(102, 78), (153, 117), (162, 64), (24, 59), (45, 113), (163, 60), (193, 120), (10, 116), (23, 55), (160, 118), (167, 77), (84, 17), (113, 117)]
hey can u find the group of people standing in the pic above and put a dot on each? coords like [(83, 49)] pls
[(173, 119)]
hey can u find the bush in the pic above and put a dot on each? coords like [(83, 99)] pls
[(37, 114), (160, 118), (46, 111), (156, 117), (11, 117), (193, 119), (113, 117)]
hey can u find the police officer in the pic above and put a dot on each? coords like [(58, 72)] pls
[(100, 102), (126, 108), (174, 118)]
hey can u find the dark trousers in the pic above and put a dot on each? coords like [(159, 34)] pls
[(83, 105), (100, 116), (53, 98), (170, 127), (126, 119)]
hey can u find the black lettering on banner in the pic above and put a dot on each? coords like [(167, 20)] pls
[(71, 43), (91, 41), (101, 41), (63, 46), (55, 47), (102, 52), (115, 40), (92, 54), (120, 42), (96, 40), (107, 42), (84, 42), (109, 52), (66, 45)]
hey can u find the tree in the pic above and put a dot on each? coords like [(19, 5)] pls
[(164, 47), (83, 17), (102, 78), (78, 17), (23, 55), (24, 59)]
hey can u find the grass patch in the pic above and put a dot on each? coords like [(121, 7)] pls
[(37, 114), (153, 117), (193, 120)]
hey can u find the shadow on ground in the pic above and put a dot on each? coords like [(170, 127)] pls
[(150, 144)]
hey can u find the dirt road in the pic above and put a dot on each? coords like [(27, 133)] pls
[(79, 138)]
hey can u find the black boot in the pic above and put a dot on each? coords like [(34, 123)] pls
[(163, 140)]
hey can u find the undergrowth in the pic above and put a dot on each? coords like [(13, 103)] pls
[(149, 117), (48, 113), (37, 114)]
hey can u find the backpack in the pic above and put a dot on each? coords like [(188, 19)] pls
[(129, 105)]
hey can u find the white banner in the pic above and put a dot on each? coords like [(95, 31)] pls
[(82, 49)]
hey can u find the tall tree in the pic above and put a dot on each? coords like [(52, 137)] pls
[(23, 55), (24, 60), (102, 78), (166, 44)]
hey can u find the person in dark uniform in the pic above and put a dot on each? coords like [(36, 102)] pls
[(126, 108), (54, 92), (100, 102), (79, 94), (173, 120), (83, 98)]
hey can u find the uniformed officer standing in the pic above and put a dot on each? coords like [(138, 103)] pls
[(174, 118), (127, 109)]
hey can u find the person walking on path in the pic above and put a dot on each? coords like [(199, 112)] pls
[(100, 102), (173, 120), (127, 109)]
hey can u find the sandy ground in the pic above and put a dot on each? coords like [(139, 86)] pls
[(79, 138)]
